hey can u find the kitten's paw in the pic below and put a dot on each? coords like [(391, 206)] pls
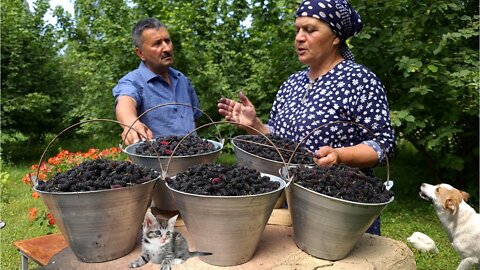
[(165, 267), (133, 264)]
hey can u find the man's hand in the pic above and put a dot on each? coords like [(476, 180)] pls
[(138, 132)]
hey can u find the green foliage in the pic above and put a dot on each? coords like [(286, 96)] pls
[(4, 178), (99, 52), (32, 75), (426, 53), (15, 213)]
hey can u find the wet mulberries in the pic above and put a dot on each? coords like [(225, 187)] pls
[(342, 182), (98, 174), (285, 146), (165, 146), (222, 180)]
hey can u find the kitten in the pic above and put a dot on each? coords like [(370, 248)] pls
[(162, 245)]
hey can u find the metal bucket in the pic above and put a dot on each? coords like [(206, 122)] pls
[(162, 197), (100, 225), (261, 164), (229, 227), (327, 227)]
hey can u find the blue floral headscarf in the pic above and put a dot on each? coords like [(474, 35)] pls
[(339, 15)]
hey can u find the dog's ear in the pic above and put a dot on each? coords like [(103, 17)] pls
[(452, 205), (465, 196)]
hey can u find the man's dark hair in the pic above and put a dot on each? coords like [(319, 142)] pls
[(141, 26)]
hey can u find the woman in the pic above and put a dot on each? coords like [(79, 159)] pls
[(333, 88)]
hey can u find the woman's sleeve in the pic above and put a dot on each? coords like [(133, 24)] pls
[(373, 112)]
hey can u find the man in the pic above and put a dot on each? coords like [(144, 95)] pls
[(154, 82)]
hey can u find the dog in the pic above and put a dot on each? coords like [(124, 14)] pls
[(422, 242), (459, 219)]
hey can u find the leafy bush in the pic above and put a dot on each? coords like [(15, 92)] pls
[(426, 53), (32, 75)]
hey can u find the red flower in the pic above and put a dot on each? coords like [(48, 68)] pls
[(164, 143), (26, 178), (35, 195), (42, 176), (32, 213), (50, 218)]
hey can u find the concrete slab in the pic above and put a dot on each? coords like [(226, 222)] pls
[(276, 251)]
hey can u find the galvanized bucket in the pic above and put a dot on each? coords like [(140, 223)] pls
[(162, 197), (327, 227), (100, 225), (228, 227), (324, 226), (260, 164)]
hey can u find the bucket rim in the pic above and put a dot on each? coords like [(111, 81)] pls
[(275, 179), (266, 159), (343, 200), (128, 150), (95, 191)]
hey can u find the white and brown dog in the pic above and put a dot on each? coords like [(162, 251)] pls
[(459, 219)]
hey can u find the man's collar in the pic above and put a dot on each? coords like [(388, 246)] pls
[(147, 74)]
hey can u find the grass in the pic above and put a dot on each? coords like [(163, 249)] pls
[(16, 200), (406, 214)]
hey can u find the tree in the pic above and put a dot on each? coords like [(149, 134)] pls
[(32, 75), (426, 53)]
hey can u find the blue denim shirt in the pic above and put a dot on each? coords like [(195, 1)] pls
[(149, 90)]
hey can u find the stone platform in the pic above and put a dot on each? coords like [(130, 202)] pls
[(276, 251)]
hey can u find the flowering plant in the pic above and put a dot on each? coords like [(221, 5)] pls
[(63, 161)]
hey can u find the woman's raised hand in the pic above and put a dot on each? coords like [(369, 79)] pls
[(242, 112)]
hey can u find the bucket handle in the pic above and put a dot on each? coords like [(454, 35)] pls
[(223, 122), (284, 171), (164, 172), (34, 178)]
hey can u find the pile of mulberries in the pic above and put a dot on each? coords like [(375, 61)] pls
[(222, 180), (342, 182), (98, 174), (164, 146), (302, 156)]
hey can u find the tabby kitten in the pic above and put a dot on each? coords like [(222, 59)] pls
[(162, 245)]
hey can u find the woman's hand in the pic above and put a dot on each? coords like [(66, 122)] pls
[(242, 112), (326, 156), (358, 156)]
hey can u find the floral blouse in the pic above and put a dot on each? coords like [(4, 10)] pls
[(345, 107)]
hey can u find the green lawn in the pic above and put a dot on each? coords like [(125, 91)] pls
[(16, 199), (406, 214)]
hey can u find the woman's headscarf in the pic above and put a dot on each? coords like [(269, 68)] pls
[(339, 15)]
